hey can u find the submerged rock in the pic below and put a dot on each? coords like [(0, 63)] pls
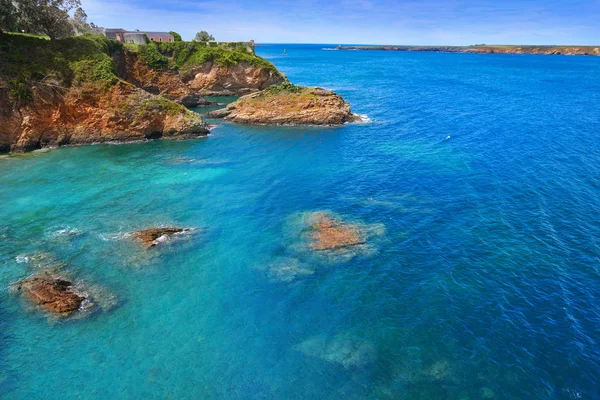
[(289, 269), (51, 293), (344, 349), (154, 236), (330, 233), (288, 104)]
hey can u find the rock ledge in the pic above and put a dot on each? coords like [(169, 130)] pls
[(288, 104)]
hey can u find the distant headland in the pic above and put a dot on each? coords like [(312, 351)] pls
[(490, 49)]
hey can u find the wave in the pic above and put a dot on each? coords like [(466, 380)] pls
[(364, 118)]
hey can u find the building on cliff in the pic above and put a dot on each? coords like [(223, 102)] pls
[(134, 37), (137, 36)]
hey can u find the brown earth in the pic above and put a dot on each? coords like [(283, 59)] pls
[(52, 294), (311, 106)]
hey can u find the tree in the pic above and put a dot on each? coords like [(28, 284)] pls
[(95, 29), (203, 36), (50, 17), (8, 16), (79, 22), (176, 36)]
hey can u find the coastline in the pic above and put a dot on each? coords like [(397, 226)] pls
[(486, 49)]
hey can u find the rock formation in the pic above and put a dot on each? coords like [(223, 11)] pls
[(346, 349), (154, 236), (288, 104), (51, 293), (211, 79), (60, 116), (165, 83), (329, 233), (89, 89)]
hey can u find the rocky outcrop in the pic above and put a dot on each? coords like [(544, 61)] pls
[(212, 79), (288, 105), (329, 233), (154, 236), (51, 293), (166, 83), (58, 116), (490, 49)]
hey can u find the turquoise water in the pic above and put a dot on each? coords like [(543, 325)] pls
[(476, 179)]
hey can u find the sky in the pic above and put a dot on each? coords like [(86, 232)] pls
[(426, 22)]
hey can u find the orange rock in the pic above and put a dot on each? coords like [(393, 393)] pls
[(311, 106), (329, 234), (122, 113), (52, 294)]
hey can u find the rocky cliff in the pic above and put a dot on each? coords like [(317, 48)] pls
[(288, 104), (59, 116), (90, 89), (211, 79), (179, 69)]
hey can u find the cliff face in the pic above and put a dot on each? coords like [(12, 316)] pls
[(58, 116), (288, 104), (90, 89), (166, 83), (211, 79)]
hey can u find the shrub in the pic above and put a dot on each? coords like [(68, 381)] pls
[(151, 56), (285, 87), (18, 92)]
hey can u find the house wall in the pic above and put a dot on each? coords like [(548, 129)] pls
[(161, 38), (136, 38)]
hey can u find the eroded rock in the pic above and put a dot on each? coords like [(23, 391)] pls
[(51, 293), (154, 236), (288, 104), (330, 233)]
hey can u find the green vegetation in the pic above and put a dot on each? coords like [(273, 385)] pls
[(18, 92), (74, 61), (98, 69), (285, 87), (29, 35), (176, 36), (185, 55), (150, 54), (203, 36), (48, 17), (159, 104)]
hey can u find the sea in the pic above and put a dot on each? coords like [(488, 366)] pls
[(474, 179)]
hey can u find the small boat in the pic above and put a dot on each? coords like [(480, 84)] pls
[(284, 52)]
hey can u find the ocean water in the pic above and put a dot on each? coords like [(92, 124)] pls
[(475, 176)]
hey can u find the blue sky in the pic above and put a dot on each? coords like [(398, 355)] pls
[(452, 22)]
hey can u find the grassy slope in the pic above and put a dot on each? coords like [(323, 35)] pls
[(73, 61), (83, 61), (184, 56)]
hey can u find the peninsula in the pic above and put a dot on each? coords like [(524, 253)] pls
[(91, 89), (489, 49)]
